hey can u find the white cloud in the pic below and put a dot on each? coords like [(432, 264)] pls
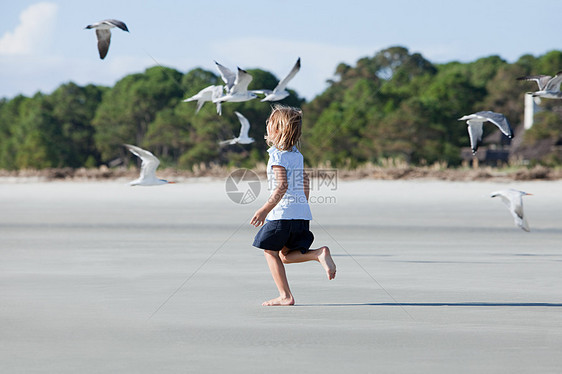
[(319, 60), (34, 32)]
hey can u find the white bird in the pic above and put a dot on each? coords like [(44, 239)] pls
[(103, 33), (475, 123), (239, 90), (207, 94), (549, 87), (514, 202), (279, 92), (243, 138), (148, 167)]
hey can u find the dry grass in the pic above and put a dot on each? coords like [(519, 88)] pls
[(390, 171)]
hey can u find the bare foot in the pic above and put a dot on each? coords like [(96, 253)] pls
[(279, 301), (325, 258)]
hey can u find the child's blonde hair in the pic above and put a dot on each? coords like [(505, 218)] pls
[(284, 127)]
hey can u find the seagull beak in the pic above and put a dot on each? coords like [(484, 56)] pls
[(528, 194), (171, 182)]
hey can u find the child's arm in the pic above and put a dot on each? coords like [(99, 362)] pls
[(281, 177), (306, 184)]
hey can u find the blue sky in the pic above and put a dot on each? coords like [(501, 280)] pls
[(43, 43)]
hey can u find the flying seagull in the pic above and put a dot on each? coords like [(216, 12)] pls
[(148, 167), (475, 123), (549, 87), (279, 92), (207, 94), (103, 33), (243, 138), (238, 91), (514, 202)]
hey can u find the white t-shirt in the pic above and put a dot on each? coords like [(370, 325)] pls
[(294, 204)]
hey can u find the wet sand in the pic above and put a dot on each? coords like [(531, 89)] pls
[(432, 277)]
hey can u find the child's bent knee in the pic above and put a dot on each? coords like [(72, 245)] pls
[(283, 257)]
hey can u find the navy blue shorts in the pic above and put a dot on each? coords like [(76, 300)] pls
[(291, 233)]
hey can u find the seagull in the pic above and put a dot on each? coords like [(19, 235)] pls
[(475, 122), (239, 90), (207, 94), (279, 92), (148, 167), (243, 138), (103, 33), (514, 202), (549, 87)]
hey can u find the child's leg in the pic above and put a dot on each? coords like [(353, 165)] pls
[(322, 255), (277, 270)]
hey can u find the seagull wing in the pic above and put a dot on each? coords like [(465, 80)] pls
[(499, 120), (503, 195), (282, 84), (229, 141), (104, 38), (200, 104), (242, 81), (516, 209), (475, 133), (227, 75), (514, 202), (149, 161), (206, 94), (217, 94), (554, 83), (117, 23), (541, 80), (245, 128), (516, 205), (262, 92)]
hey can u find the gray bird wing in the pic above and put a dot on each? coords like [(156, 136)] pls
[(283, 83), (517, 206), (541, 80), (227, 75), (499, 120), (245, 125), (262, 92), (475, 133), (242, 81), (117, 23), (554, 83), (149, 161), (104, 38), (516, 209)]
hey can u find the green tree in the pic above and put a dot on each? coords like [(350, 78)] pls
[(73, 108), (11, 112), (38, 136), (127, 110)]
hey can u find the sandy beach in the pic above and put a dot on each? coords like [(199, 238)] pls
[(433, 277)]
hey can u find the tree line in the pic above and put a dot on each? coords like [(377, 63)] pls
[(394, 105)]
